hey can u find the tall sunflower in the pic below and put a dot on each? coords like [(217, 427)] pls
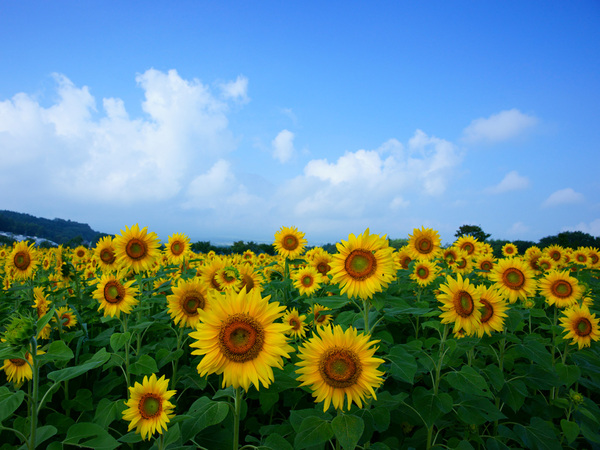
[(460, 304), (114, 295), (296, 321), (363, 265), (105, 254), (514, 279), (289, 242), (580, 325), (178, 248), (307, 280), (340, 365), (22, 261), (188, 297), (424, 243), (137, 249), (424, 272), (240, 339), (560, 289), (149, 409), (493, 310)]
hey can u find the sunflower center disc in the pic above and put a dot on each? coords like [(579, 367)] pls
[(18, 362), (555, 256), (422, 272), (486, 266), (514, 278), (488, 311), (424, 245), (340, 368), (150, 406), (241, 338), (307, 281), (562, 289), (360, 264), (107, 256), (113, 292), (177, 248), (464, 304), (191, 304), (290, 242), (136, 249), (584, 327), (461, 263), (22, 260), (468, 248), (323, 268), (295, 323)]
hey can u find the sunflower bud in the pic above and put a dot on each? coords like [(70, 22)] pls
[(19, 331), (576, 397)]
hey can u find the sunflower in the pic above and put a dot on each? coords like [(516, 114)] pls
[(514, 279), (594, 255), (363, 265), (463, 263), (178, 248), (557, 253), (42, 306), (289, 242), (228, 279), (561, 289), (115, 296), (580, 325), (316, 312), (321, 261), (105, 254), (296, 321), (80, 254), (250, 278), (18, 370), (338, 365), (546, 263), (307, 280), (188, 297), (485, 263), (509, 250), (402, 258), (424, 243), (493, 310), (149, 409), (468, 244), (581, 257), (460, 304), (209, 273), (137, 248), (240, 339), (424, 272), (22, 260), (66, 316), (450, 255)]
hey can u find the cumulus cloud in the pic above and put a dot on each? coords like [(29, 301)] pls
[(566, 196), (498, 127), (518, 229), (592, 227), (236, 90), (283, 146), (512, 181)]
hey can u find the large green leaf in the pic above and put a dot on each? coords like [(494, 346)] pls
[(313, 431), (478, 410), (145, 365), (570, 430), (568, 374), (277, 442), (99, 358), (9, 402), (204, 412), (90, 435), (118, 340), (403, 365), (468, 380), (107, 411), (57, 351), (431, 406), (539, 435), (347, 429), (513, 394)]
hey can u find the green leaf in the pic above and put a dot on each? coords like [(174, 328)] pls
[(43, 321), (569, 429), (164, 356), (469, 381), (118, 340), (277, 442), (568, 374), (108, 411), (538, 435), (403, 365), (57, 351), (533, 350), (313, 431), (297, 416), (495, 376), (332, 302), (81, 402), (99, 358), (514, 320), (145, 365), (267, 400), (9, 402), (44, 433), (205, 412), (478, 410), (381, 417), (514, 394), (90, 435), (348, 429), (431, 406)]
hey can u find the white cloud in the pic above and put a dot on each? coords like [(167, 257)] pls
[(563, 197), (518, 229), (498, 127), (592, 227), (512, 181), (236, 90), (283, 146)]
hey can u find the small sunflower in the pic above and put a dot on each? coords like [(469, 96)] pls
[(321, 261), (485, 263), (493, 311), (240, 339), (460, 304), (363, 265), (424, 243), (137, 248), (67, 317), (402, 258), (22, 260), (80, 254), (424, 272), (557, 253), (317, 313), (250, 278), (307, 280), (296, 321), (581, 257), (209, 271), (188, 297), (560, 289), (463, 263), (514, 279), (580, 325), (509, 250), (149, 409), (340, 365), (468, 244), (115, 296), (289, 242), (105, 254), (178, 248), (228, 279)]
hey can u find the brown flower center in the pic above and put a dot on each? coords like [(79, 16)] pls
[(323, 268), (555, 255), (290, 242), (486, 266), (22, 260), (191, 302), (18, 362), (360, 264), (107, 256), (177, 248), (463, 304), (241, 338), (424, 245), (461, 263), (582, 328), (150, 406), (513, 278), (340, 367), (561, 288), (405, 262), (468, 247), (295, 323), (307, 281), (488, 311), (136, 249), (423, 272), (114, 292)]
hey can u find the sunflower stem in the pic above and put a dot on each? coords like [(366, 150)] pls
[(236, 417), (34, 398), (366, 308)]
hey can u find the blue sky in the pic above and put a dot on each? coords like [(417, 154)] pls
[(227, 120)]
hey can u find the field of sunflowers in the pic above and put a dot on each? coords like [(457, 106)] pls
[(140, 344)]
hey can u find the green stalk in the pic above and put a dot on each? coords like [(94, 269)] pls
[(366, 308), (436, 379), (236, 417), (35, 371)]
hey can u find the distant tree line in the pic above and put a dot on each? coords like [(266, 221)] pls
[(236, 247)]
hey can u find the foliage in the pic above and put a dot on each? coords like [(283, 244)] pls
[(472, 230)]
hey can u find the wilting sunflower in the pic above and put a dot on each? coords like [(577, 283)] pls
[(514, 279), (296, 321), (42, 306), (580, 325), (105, 254), (307, 280), (289, 242), (340, 365), (22, 261), (188, 297), (149, 409), (363, 265), (137, 248), (240, 338), (115, 296), (493, 310), (560, 289), (460, 304), (424, 272), (424, 243), (178, 248), (67, 317), (319, 318)]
